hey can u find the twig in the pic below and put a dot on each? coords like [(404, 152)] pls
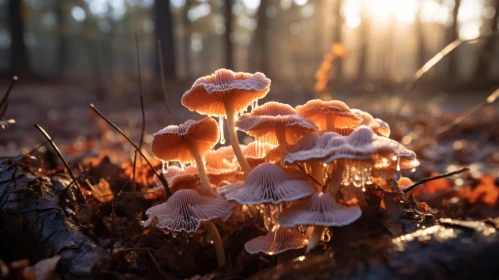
[(424, 180), (490, 99), (160, 176), (6, 96), (141, 139), (59, 154), (310, 176), (433, 61), (23, 156), (163, 80), (157, 264), (137, 249)]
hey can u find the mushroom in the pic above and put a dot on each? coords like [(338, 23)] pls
[(320, 210), (329, 115), (276, 124), (186, 211), (379, 126), (267, 184), (276, 241), (187, 143), (224, 94), (255, 153)]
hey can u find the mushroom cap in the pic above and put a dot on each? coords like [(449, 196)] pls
[(186, 210), (404, 183), (318, 111), (262, 122), (255, 152), (321, 209), (209, 94), (217, 164), (314, 147), (267, 183), (172, 143), (380, 127), (186, 179), (276, 241), (365, 116)]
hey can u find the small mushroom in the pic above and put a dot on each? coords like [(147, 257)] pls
[(329, 115), (187, 143), (187, 211), (277, 240), (320, 210), (267, 184), (224, 94), (276, 124), (256, 152)]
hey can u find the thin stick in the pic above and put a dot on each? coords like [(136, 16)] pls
[(163, 80), (160, 176), (134, 184), (23, 156), (137, 249), (434, 60), (157, 264), (59, 154), (424, 180), (469, 113), (141, 139), (7, 93), (310, 176)]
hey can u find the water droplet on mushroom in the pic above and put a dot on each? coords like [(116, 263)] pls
[(398, 164), (165, 167), (326, 237), (221, 129), (182, 167)]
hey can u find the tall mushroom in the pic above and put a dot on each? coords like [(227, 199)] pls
[(187, 143), (276, 124), (224, 94), (186, 211)]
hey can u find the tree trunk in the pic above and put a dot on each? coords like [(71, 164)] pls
[(61, 37), (363, 42), (187, 40), (259, 57), (229, 60), (488, 54), (163, 31), (337, 37), (454, 35), (19, 62), (421, 41)]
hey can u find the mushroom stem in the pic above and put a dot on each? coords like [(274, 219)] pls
[(281, 137), (234, 141), (315, 238), (317, 172), (217, 242), (201, 169), (330, 122)]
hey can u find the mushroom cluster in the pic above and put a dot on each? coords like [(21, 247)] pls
[(289, 177)]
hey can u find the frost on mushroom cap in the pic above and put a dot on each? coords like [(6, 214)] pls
[(319, 111), (365, 116), (277, 241), (267, 183), (261, 123), (172, 142), (380, 127), (314, 147), (208, 94), (321, 209), (186, 210)]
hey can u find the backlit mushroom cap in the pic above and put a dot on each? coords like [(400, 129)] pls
[(404, 183), (314, 147), (227, 152), (338, 112), (276, 241), (187, 179), (380, 127), (321, 209), (365, 116), (216, 163), (208, 94), (267, 183), (262, 122), (172, 143), (255, 153), (186, 210)]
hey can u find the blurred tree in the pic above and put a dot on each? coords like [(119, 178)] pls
[(363, 41), (60, 13), (163, 31), (19, 63), (229, 61), (454, 35), (488, 54), (421, 41), (337, 36), (259, 57), (187, 38)]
